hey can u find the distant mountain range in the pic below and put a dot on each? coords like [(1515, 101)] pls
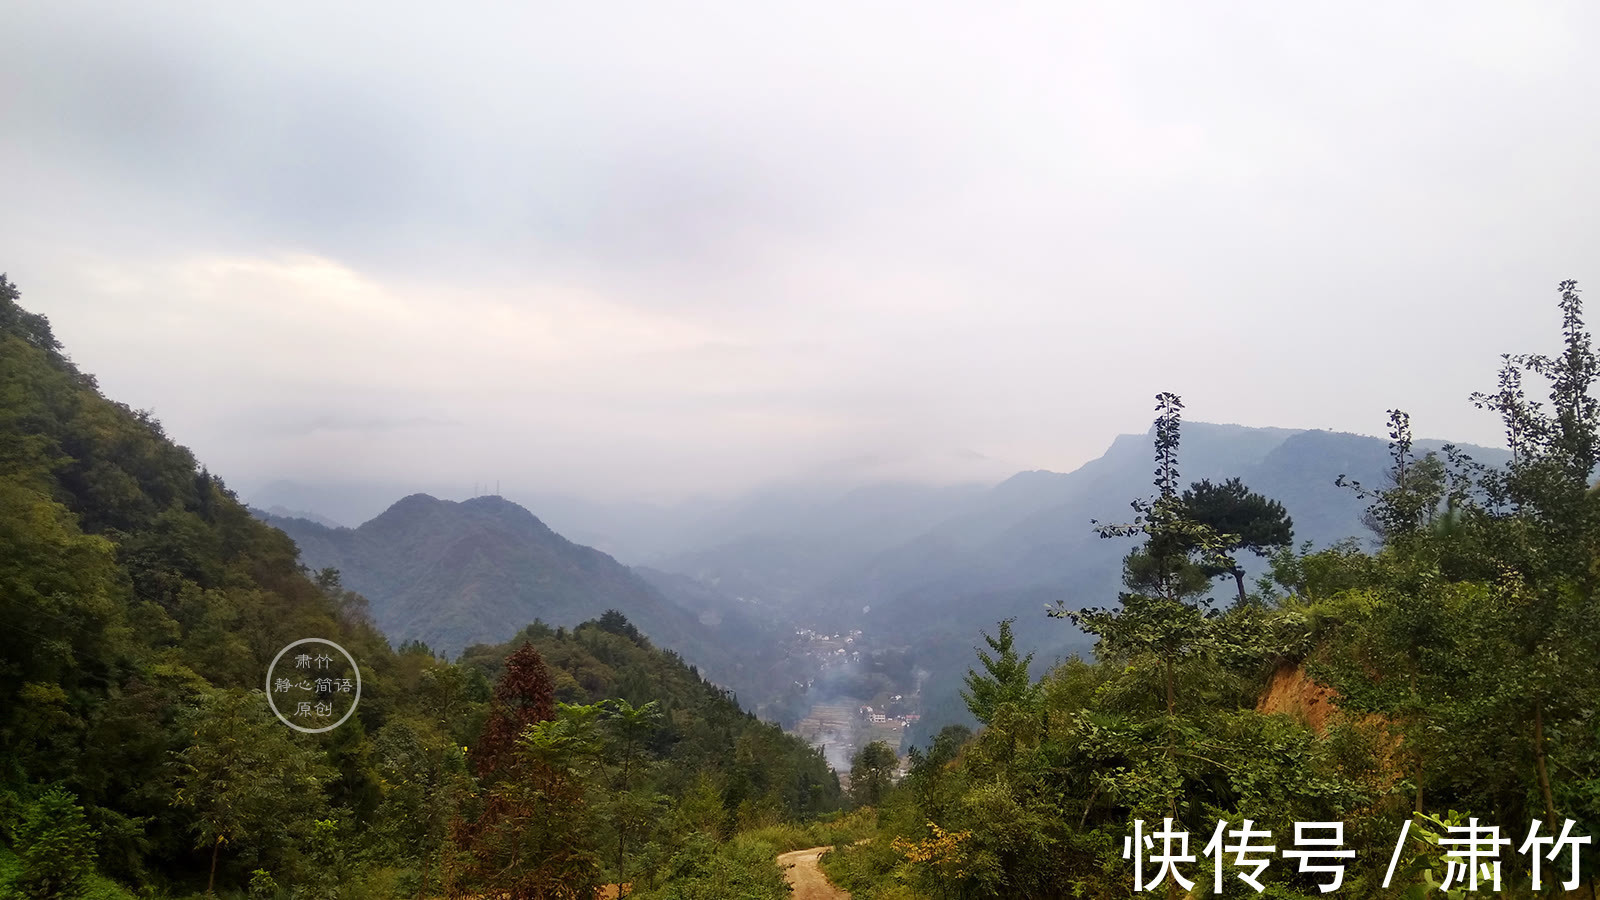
[(280, 512), (941, 551), (456, 574), (1012, 549), (915, 566)]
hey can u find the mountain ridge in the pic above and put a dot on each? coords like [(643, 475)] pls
[(459, 573)]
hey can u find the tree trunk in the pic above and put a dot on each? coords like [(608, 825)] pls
[(211, 882), (622, 832), (1238, 575), (1539, 763), (622, 836), (1172, 883), (1417, 807)]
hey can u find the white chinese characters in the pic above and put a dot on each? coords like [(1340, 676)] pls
[(320, 692), (1472, 854)]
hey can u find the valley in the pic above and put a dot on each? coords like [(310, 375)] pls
[(552, 451), (539, 713), (810, 604)]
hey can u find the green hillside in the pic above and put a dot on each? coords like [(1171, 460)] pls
[(143, 605), (1404, 693), (452, 574)]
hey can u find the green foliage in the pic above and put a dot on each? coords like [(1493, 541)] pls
[(538, 826), (1454, 665), (764, 775), (251, 786), (1461, 657), (56, 847), (423, 777), (872, 773), (743, 869), (262, 885), (144, 604), (1245, 519), (1004, 681), (826, 831)]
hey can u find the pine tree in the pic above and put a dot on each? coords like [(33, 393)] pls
[(1242, 519)]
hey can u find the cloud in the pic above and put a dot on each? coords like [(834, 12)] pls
[(697, 247)]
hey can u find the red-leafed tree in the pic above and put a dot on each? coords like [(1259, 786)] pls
[(531, 835), (523, 696)]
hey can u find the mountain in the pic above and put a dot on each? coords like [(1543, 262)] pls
[(1034, 531), (146, 607), (1027, 543), (285, 513), (137, 592), (781, 545), (453, 574)]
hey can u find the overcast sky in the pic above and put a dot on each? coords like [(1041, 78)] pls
[(676, 247)]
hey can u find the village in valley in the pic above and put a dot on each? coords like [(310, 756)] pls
[(856, 693)]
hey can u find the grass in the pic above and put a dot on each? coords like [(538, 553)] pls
[(843, 829)]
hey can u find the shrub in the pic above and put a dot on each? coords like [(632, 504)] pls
[(56, 847)]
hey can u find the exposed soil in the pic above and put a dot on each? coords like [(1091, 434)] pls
[(1293, 693), (800, 867)]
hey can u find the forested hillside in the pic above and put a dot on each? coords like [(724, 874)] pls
[(1443, 679), (452, 574), (1441, 671), (143, 605)]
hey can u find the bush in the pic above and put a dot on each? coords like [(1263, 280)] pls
[(828, 831), (866, 870), (262, 885), (745, 869), (56, 848)]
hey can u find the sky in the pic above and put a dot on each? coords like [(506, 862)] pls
[(684, 248)]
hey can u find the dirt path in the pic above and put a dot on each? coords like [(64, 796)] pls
[(808, 881)]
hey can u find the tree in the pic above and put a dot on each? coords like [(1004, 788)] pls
[(1407, 505), (1160, 622), (616, 623), (872, 773), (423, 776), (537, 837), (533, 837), (1482, 609), (56, 847), (248, 782), (30, 327), (58, 589), (927, 778), (1005, 679), (524, 695), (1242, 519), (1160, 628), (1157, 572), (1549, 525), (743, 869), (633, 810)]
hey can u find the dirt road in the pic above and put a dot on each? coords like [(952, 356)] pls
[(808, 881)]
